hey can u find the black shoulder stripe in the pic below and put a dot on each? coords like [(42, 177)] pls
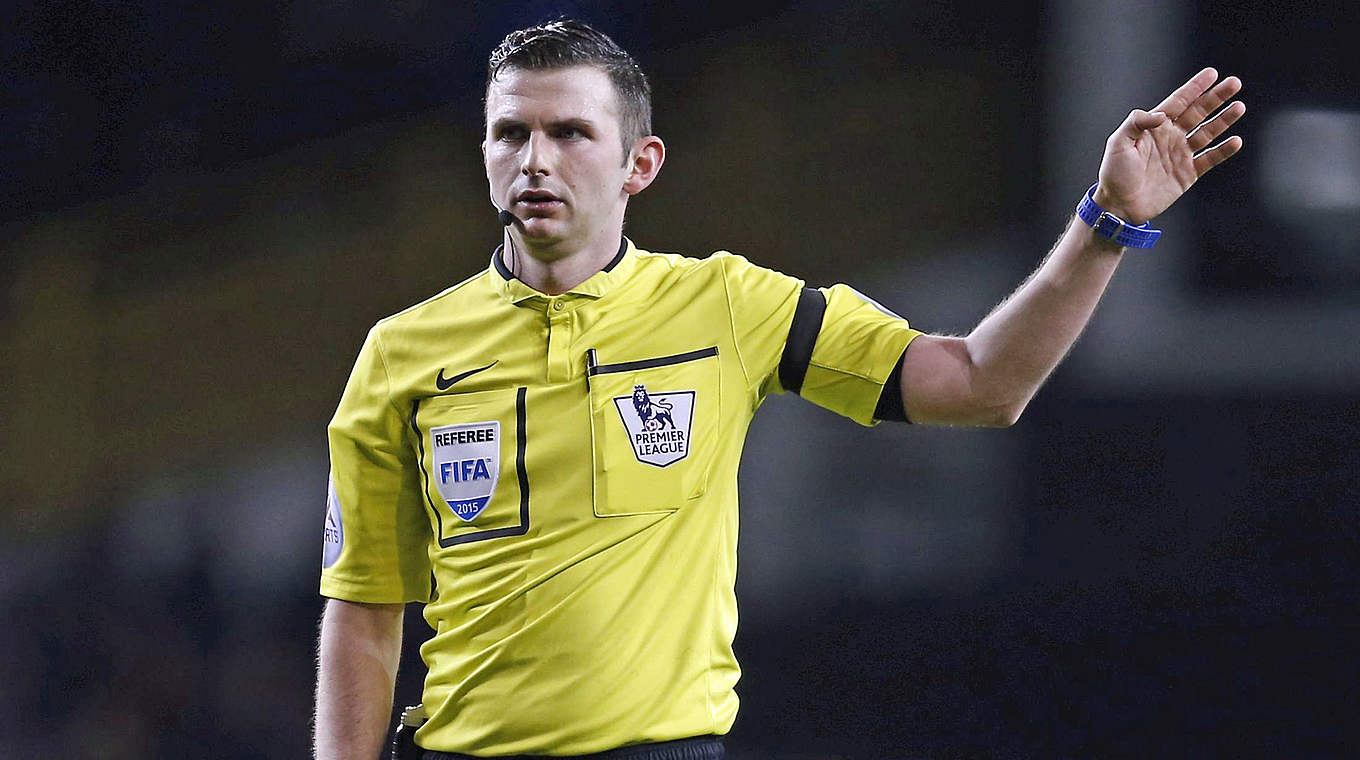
[(807, 322)]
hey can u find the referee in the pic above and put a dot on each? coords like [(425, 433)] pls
[(545, 454)]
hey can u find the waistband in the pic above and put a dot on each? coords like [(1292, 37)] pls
[(693, 748)]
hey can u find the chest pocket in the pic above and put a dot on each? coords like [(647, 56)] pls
[(654, 427), (471, 448)]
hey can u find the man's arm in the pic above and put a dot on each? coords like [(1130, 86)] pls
[(357, 658), (989, 377)]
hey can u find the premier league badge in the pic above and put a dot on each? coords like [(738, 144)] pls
[(467, 465), (658, 424)]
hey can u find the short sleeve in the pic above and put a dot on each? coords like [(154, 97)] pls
[(856, 347), (377, 533), (762, 303)]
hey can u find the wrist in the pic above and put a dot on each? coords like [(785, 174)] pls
[(1110, 225), (1088, 238), (1107, 203)]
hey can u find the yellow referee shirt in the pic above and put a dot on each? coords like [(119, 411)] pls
[(565, 468)]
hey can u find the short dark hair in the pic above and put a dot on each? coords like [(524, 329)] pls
[(568, 42)]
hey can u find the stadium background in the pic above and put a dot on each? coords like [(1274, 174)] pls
[(204, 206)]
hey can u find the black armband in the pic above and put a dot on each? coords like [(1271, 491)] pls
[(807, 323), (890, 407)]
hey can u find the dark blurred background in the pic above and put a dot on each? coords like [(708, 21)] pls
[(203, 206)]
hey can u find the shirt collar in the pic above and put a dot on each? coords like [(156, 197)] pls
[(594, 286)]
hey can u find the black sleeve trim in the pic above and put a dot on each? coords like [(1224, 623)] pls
[(890, 407), (807, 322)]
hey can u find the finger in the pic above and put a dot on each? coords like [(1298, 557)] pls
[(1211, 129), (1208, 103), (1211, 157), (1176, 103)]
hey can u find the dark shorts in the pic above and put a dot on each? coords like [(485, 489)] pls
[(694, 748)]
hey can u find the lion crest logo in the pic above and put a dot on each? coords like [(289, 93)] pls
[(655, 415), (658, 424)]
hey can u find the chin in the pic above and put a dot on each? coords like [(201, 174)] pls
[(542, 237), (542, 230)]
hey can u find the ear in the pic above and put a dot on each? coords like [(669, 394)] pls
[(646, 158)]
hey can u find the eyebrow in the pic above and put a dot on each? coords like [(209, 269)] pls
[(579, 123), (573, 122)]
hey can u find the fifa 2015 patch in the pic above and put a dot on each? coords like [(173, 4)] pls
[(333, 536), (467, 465), (658, 424)]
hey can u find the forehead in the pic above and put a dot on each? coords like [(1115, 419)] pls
[(575, 92)]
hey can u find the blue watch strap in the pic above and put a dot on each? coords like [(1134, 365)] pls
[(1109, 226)]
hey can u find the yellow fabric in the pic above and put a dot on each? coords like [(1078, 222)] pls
[(856, 349), (589, 604)]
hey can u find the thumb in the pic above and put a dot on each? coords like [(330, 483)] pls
[(1149, 120), (1137, 122)]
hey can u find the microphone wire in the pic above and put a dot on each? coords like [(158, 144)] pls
[(506, 219)]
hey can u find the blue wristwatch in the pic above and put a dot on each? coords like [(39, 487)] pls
[(1108, 225)]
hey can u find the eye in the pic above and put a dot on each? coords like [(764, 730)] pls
[(569, 132), (513, 133)]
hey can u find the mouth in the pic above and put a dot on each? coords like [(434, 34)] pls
[(538, 200)]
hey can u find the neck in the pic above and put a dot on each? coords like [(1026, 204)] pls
[(551, 270)]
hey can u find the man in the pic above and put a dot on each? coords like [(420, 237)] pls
[(555, 440)]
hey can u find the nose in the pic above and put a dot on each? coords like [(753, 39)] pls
[(537, 155)]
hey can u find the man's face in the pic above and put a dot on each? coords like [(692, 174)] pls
[(553, 155)]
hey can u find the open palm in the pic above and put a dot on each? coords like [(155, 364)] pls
[(1155, 156)]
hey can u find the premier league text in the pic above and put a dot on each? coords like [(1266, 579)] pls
[(659, 442)]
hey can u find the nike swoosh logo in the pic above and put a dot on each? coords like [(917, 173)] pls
[(444, 383)]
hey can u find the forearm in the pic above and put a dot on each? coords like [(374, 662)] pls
[(1017, 346), (358, 655), (1150, 160)]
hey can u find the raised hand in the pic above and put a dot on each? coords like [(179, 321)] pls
[(1155, 156)]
